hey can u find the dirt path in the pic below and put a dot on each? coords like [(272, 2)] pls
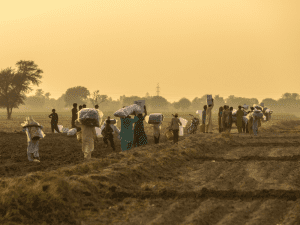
[(255, 182)]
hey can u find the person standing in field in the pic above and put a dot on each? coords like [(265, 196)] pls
[(225, 115), (208, 121), (74, 115), (54, 121), (255, 123), (220, 119), (204, 117), (126, 133), (108, 132), (230, 119), (139, 135), (175, 122), (239, 119)]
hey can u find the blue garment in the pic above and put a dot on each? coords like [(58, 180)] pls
[(126, 133), (140, 137)]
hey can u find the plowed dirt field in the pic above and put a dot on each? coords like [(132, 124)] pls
[(205, 179)]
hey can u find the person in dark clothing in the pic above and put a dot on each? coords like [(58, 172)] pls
[(220, 119), (230, 119), (96, 106), (54, 121), (74, 115), (139, 136), (175, 122), (80, 107), (107, 133), (204, 117), (84, 106)]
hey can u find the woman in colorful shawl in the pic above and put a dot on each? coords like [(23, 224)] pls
[(220, 119), (126, 133), (140, 137)]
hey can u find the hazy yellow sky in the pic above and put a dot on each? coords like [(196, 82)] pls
[(247, 48)]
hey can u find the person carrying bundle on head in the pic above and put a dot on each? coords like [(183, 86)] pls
[(139, 135), (54, 121), (34, 134), (87, 120), (126, 133)]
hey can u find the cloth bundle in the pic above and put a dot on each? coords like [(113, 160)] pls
[(234, 112), (89, 117), (245, 119), (33, 128), (209, 100), (36, 133), (258, 114), (124, 112), (183, 121), (65, 130), (155, 118), (60, 128), (246, 106), (180, 130), (141, 103), (72, 132)]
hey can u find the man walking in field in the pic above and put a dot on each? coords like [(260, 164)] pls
[(239, 119)]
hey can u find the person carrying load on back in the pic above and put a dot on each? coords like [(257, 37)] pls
[(220, 119), (175, 127), (139, 136), (54, 121), (34, 133), (208, 121), (108, 132), (239, 119)]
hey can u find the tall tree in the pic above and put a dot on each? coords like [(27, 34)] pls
[(97, 98), (77, 95), (14, 85), (184, 103)]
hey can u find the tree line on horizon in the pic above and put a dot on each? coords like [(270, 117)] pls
[(15, 84)]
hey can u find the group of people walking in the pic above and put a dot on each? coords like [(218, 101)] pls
[(225, 119)]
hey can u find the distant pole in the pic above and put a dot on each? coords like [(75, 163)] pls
[(157, 90)]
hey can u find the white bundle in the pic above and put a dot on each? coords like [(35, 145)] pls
[(89, 117), (267, 110), (183, 121), (98, 132), (155, 118), (72, 132), (234, 112), (199, 112), (245, 119), (65, 130), (258, 114), (141, 103), (180, 130), (124, 112), (246, 106), (60, 128)]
